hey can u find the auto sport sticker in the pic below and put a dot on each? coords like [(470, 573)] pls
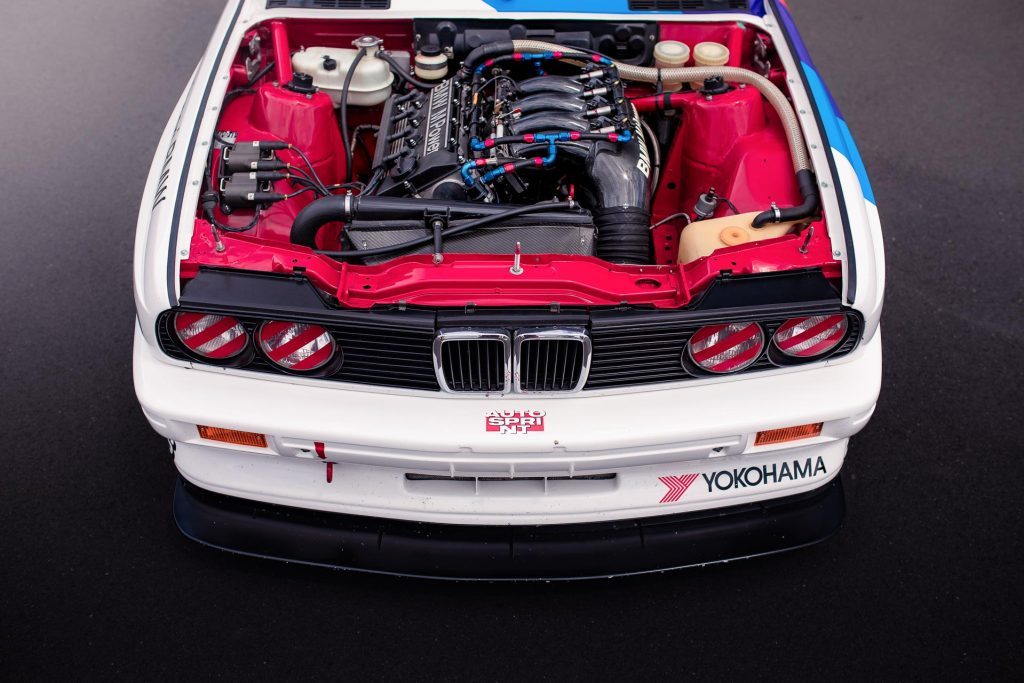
[(515, 421), (743, 477)]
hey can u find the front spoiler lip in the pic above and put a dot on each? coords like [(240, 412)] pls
[(508, 553)]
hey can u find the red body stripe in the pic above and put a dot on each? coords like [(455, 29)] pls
[(705, 332), (215, 330), (315, 359), (831, 321), (738, 360), (296, 343), (735, 339)]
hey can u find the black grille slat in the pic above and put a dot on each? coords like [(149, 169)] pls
[(624, 354), (623, 359), (473, 365), (550, 364)]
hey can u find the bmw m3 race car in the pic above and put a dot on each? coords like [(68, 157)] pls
[(485, 289)]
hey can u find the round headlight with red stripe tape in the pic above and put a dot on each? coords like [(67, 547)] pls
[(298, 347), (726, 347), (214, 337), (812, 336)]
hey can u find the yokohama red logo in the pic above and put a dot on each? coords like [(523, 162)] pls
[(676, 487), (514, 421)]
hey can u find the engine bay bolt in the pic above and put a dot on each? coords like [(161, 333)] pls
[(516, 268)]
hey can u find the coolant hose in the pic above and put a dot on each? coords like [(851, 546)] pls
[(647, 74), (809, 190), (319, 213)]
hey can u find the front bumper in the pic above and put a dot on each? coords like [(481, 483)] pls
[(377, 446), (561, 551)]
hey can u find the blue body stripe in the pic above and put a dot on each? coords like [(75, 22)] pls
[(836, 129)]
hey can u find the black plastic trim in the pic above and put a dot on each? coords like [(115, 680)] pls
[(392, 345), (497, 553)]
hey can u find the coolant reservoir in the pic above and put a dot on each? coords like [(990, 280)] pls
[(671, 54), (703, 237), (371, 82)]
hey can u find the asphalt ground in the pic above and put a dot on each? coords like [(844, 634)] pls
[(922, 583)]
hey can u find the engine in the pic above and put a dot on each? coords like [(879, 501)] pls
[(493, 137), (515, 146)]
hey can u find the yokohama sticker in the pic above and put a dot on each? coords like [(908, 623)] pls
[(514, 421), (744, 477)]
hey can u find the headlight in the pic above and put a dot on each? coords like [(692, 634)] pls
[(812, 336), (728, 347), (217, 337), (297, 347)]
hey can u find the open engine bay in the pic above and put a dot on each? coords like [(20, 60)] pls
[(485, 162)]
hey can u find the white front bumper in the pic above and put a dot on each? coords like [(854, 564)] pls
[(373, 438)]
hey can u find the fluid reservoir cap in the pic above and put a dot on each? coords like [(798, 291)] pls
[(733, 235), (330, 64), (430, 50), (671, 53), (302, 83), (367, 42), (715, 85), (710, 54)]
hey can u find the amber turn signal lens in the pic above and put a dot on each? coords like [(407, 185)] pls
[(232, 436), (771, 436)]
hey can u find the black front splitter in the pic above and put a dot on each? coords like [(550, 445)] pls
[(559, 551)]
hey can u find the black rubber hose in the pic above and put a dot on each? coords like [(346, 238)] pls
[(343, 112), (396, 69), (623, 235), (809, 190), (343, 208), (315, 215), (479, 54), (451, 232)]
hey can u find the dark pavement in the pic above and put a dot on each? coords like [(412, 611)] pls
[(923, 582)]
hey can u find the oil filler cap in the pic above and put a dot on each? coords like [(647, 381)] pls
[(302, 83), (715, 85)]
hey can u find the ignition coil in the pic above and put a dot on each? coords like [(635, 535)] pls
[(249, 190), (258, 155)]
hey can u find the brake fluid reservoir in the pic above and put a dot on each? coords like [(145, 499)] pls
[(701, 238), (671, 54), (371, 82), (431, 63), (709, 54)]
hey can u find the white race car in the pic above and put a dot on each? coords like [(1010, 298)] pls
[(485, 289)]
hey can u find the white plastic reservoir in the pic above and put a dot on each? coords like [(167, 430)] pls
[(371, 82)]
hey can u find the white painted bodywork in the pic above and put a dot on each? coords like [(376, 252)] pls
[(375, 435)]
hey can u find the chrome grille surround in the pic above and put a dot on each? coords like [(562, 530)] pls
[(550, 360), (467, 357)]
